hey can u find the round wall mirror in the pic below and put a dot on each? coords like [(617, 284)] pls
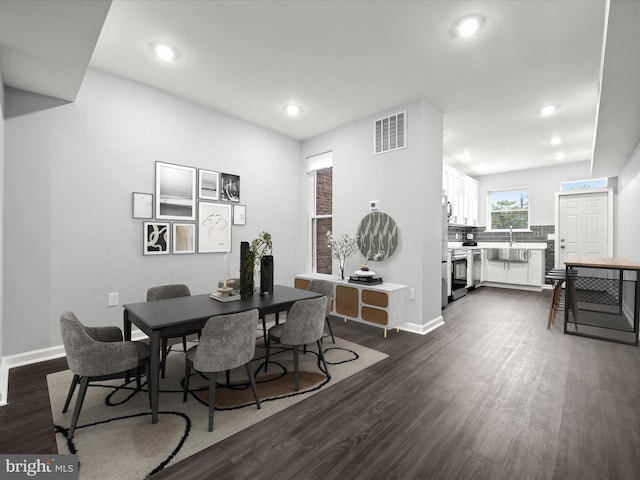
[(377, 236)]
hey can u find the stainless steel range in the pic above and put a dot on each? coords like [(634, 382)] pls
[(459, 273)]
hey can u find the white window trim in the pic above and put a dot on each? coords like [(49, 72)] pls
[(314, 164), (488, 210)]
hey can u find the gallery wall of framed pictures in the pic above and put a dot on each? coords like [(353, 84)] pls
[(192, 210)]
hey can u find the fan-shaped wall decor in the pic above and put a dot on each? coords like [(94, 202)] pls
[(377, 236)]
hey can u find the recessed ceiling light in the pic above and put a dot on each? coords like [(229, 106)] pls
[(556, 140), (548, 110), (293, 110), (468, 26), (559, 156), (165, 52), (465, 156)]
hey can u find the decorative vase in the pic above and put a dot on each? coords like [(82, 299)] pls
[(266, 274), (246, 271), (342, 269)]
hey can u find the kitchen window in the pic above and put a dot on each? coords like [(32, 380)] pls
[(508, 209), (320, 170)]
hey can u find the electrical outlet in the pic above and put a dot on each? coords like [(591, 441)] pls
[(412, 294), (469, 236), (114, 299)]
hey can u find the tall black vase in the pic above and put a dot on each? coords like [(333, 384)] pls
[(246, 271), (266, 275)]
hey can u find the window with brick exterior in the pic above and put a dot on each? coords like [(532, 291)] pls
[(321, 219)]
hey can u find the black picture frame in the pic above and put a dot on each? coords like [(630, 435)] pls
[(230, 187)]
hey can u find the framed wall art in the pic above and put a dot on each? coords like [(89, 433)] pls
[(175, 192), (184, 238), (156, 238), (214, 227), (142, 205), (229, 187), (208, 184), (239, 215)]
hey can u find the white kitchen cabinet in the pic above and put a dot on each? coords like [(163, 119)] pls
[(462, 193), (506, 272), (529, 273), (536, 267)]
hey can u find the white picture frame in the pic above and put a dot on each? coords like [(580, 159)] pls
[(239, 214), (214, 227), (142, 205), (208, 184), (184, 238), (155, 238), (175, 192)]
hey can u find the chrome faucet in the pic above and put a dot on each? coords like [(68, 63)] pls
[(511, 235)]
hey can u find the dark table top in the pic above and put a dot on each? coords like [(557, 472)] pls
[(172, 311)]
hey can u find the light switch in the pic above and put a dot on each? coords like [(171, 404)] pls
[(114, 299)]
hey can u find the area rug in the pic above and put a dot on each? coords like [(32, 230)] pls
[(116, 439)]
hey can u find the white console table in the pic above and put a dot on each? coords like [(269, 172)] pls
[(383, 305)]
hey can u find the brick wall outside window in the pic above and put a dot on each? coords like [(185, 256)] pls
[(324, 206)]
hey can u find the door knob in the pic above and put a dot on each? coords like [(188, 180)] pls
[(562, 239), (561, 246)]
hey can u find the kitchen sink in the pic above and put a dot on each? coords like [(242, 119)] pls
[(520, 255)]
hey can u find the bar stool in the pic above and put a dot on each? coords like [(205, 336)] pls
[(558, 277)]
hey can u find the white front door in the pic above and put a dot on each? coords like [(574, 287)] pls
[(584, 225)]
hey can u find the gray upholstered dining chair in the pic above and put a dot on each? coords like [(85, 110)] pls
[(95, 354), (170, 291), (304, 325), (326, 288), (227, 342)]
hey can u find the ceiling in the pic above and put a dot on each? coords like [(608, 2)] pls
[(344, 61)]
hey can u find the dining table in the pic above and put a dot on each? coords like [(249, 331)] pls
[(175, 316)]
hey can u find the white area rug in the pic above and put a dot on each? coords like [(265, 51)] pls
[(115, 439)]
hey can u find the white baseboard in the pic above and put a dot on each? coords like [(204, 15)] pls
[(420, 328), (513, 286), (36, 356)]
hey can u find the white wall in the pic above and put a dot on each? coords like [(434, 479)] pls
[(542, 184), (408, 184), (627, 225), (70, 236), (2, 149)]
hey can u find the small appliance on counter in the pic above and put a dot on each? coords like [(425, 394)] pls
[(470, 243)]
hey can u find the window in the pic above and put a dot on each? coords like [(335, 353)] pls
[(508, 209), (584, 184), (321, 210)]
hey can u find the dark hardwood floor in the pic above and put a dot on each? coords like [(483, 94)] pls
[(491, 395)]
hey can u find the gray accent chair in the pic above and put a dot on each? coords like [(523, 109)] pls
[(326, 288), (170, 291), (304, 324), (95, 354), (227, 342)]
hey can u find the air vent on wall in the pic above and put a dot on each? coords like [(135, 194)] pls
[(390, 133)]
